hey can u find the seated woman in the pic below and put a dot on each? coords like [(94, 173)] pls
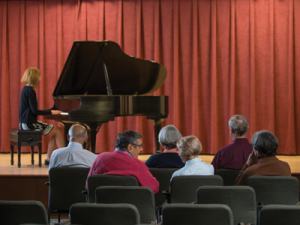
[(189, 149), (28, 112), (265, 145), (169, 158)]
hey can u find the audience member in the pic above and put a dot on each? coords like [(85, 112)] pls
[(124, 160), (169, 158), (189, 149), (265, 145), (73, 155), (236, 154)]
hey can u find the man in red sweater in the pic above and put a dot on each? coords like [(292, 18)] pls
[(124, 160)]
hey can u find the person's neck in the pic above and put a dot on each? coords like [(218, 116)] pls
[(238, 137), (192, 157), (171, 150), (76, 140)]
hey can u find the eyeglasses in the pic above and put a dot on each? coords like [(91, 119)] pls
[(140, 146)]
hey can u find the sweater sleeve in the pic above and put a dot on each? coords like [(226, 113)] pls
[(146, 179), (34, 106), (242, 177)]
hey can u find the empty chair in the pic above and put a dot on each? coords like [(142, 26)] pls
[(280, 214), (188, 214), (65, 188), (22, 212), (184, 188), (275, 189), (141, 197), (240, 199), (163, 176), (95, 181), (108, 214), (228, 175)]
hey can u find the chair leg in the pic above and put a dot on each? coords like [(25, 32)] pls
[(32, 155), (58, 216), (40, 153), (11, 155), (49, 212), (19, 154)]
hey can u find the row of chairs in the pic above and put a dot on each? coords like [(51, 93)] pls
[(33, 212), (61, 197)]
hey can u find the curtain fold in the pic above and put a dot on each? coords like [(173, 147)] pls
[(223, 57)]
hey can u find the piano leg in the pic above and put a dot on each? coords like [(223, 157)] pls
[(66, 131), (94, 128), (157, 126)]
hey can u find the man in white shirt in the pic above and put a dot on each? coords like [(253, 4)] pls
[(73, 155)]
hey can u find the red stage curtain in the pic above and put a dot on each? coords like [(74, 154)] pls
[(223, 57)]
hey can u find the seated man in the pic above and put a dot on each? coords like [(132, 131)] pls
[(169, 158), (236, 154), (73, 155), (265, 145), (124, 160)]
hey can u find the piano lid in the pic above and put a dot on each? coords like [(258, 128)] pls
[(83, 71)]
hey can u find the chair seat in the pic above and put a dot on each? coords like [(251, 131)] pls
[(25, 138), (29, 136)]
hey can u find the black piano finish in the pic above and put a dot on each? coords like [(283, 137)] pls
[(81, 88)]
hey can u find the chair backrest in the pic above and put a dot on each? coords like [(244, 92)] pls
[(95, 181), (109, 214), (275, 189), (280, 214), (141, 197), (66, 186), (163, 176), (22, 212), (240, 199), (228, 175), (188, 214), (184, 188)]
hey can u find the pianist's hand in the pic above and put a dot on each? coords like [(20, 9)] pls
[(56, 112)]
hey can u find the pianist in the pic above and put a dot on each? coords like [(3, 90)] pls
[(73, 155), (28, 112), (124, 160)]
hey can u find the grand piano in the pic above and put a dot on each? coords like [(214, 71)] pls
[(100, 82)]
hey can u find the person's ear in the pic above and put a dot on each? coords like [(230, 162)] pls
[(129, 147), (86, 138)]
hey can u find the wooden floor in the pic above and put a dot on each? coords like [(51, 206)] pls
[(27, 169)]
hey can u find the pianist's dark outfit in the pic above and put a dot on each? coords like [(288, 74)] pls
[(28, 112)]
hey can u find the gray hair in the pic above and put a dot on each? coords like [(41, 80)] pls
[(77, 131), (168, 137), (127, 137), (239, 124), (265, 142)]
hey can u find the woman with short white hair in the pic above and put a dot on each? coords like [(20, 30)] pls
[(167, 137), (189, 150)]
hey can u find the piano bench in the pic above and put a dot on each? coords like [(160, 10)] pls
[(25, 138)]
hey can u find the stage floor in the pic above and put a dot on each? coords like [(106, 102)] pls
[(33, 170)]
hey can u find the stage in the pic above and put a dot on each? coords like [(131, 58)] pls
[(28, 182)]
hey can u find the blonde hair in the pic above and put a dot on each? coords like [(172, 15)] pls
[(189, 146), (31, 76)]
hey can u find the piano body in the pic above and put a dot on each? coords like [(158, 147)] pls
[(100, 82)]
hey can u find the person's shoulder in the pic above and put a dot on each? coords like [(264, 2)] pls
[(225, 149)]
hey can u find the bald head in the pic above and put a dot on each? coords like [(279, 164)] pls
[(77, 133)]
